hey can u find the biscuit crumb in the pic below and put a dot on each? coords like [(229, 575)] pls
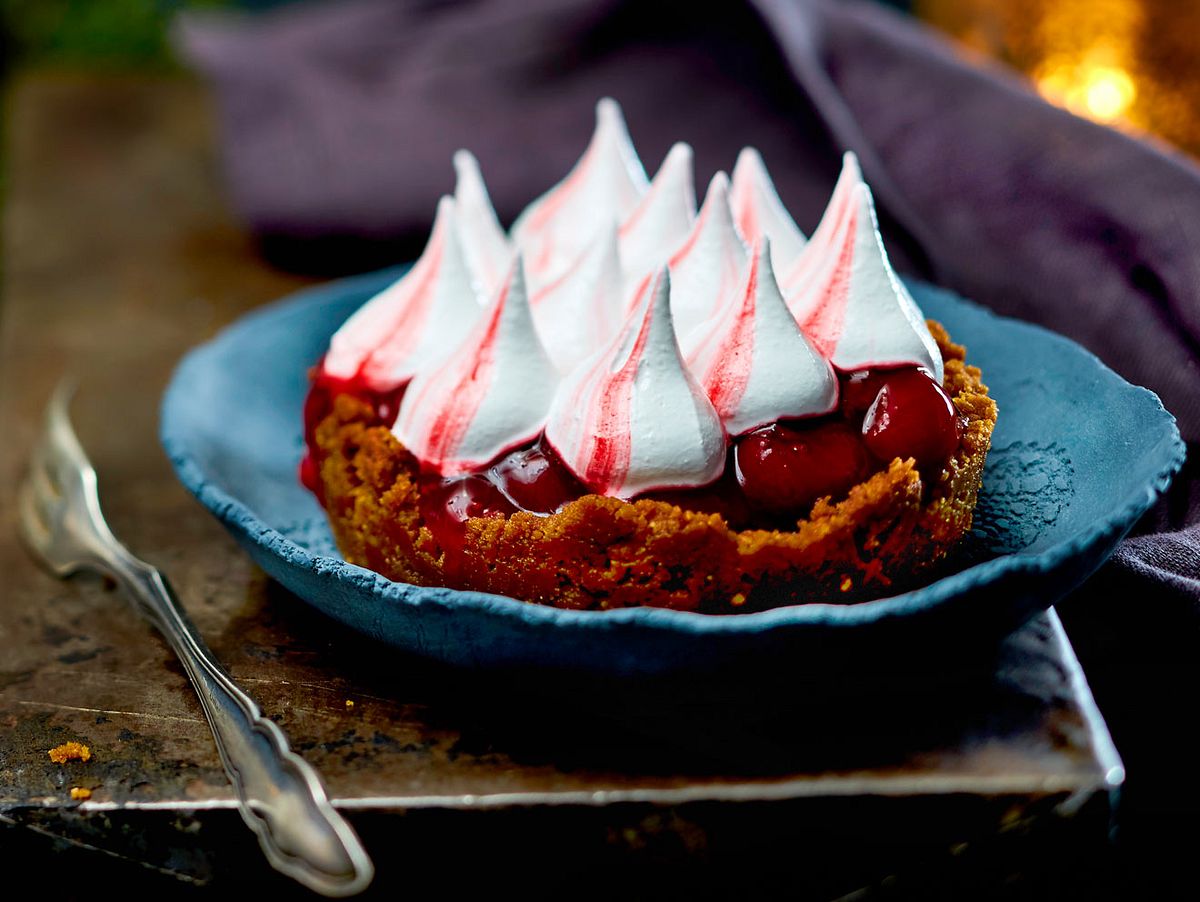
[(80, 793), (847, 584), (70, 751)]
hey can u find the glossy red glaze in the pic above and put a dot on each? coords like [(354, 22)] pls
[(859, 390), (318, 404), (447, 504), (783, 469), (535, 479), (912, 416)]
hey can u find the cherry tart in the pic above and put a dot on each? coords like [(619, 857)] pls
[(837, 507)]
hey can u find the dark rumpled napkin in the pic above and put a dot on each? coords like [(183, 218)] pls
[(340, 119)]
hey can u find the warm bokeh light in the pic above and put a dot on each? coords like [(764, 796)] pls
[(1132, 64), (1101, 92)]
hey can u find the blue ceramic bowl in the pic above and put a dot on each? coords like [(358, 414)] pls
[(1078, 455)]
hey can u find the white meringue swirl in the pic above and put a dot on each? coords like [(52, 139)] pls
[(605, 186), (621, 273), (489, 395), (706, 267), (413, 322), (849, 300), (755, 363), (632, 419)]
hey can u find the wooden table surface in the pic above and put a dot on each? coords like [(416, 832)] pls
[(121, 253)]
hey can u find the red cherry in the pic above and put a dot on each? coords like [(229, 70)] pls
[(456, 500), (783, 469), (912, 416), (859, 390), (534, 479)]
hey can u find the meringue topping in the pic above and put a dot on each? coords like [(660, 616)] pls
[(489, 395), (850, 301), (484, 242), (621, 273), (755, 363), (581, 311), (411, 323), (705, 269), (632, 418), (818, 258), (758, 211), (663, 218), (605, 186)]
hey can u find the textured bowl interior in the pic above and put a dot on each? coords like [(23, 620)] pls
[(1078, 455)]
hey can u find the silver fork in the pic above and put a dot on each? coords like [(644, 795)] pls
[(279, 795)]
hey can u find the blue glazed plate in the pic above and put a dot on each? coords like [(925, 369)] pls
[(1078, 455)]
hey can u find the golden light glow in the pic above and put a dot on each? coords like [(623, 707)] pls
[(1089, 88), (1131, 64)]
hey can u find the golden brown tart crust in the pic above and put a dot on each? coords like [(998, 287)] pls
[(601, 552)]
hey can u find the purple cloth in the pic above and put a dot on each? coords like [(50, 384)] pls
[(340, 120)]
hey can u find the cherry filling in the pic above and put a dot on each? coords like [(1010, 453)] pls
[(318, 404), (774, 473), (912, 416), (783, 468), (535, 479)]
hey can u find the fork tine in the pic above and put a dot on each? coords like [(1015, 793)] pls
[(64, 458), (33, 526), (59, 434), (68, 466), (43, 478)]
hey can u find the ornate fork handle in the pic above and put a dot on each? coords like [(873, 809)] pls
[(281, 797)]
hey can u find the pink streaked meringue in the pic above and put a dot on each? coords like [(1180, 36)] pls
[(758, 211), (631, 418), (663, 219), (755, 363), (817, 259), (849, 300), (580, 312), (412, 323), (484, 242), (706, 268), (488, 396), (622, 273), (605, 186)]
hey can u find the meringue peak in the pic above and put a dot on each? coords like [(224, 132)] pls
[(489, 395), (606, 184), (755, 363), (631, 418), (582, 309), (413, 321), (663, 218), (484, 242), (817, 255), (855, 308), (758, 210), (706, 267)]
